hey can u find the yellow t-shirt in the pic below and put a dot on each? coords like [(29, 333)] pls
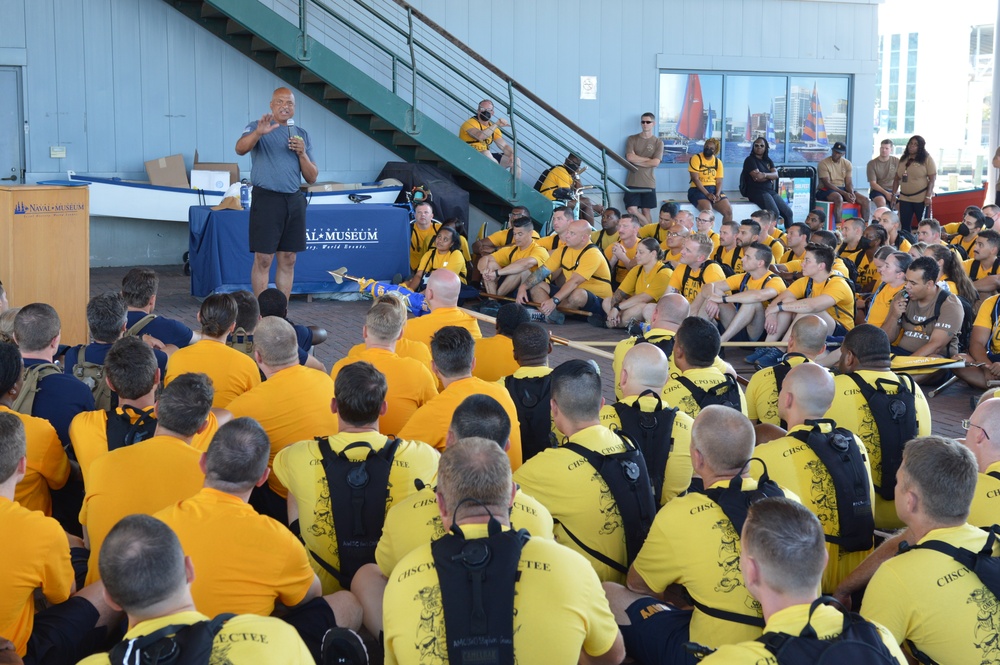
[(932, 600), (828, 622), (677, 472), (494, 358), (603, 239), (505, 237), (762, 393), (789, 255), (422, 328), (244, 561), (714, 237), (559, 608), (839, 266), (410, 385), (620, 270), (300, 467), (243, 640), (416, 520), (878, 310), (558, 177), (694, 544), (652, 336), (588, 263), (654, 231), (405, 348), (475, 123), (578, 498), (984, 269), (985, 510), (732, 257), (777, 249), (792, 463), (89, 435), (688, 281), (143, 478), (550, 243), (671, 257), (708, 170), (851, 411), (507, 255), (420, 241), (433, 260), (835, 287), (292, 405), (768, 281), (676, 394), (965, 243), (47, 463), (652, 282), (37, 556), (430, 423), (232, 372)]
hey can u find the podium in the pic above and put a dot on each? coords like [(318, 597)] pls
[(45, 251)]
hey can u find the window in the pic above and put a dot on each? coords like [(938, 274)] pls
[(911, 83), (800, 116), (893, 84)]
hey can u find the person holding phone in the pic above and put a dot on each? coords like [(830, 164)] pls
[(282, 157)]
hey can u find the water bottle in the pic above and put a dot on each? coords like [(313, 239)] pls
[(244, 194)]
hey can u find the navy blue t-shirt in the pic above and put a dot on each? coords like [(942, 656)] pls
[(60, 397), (166, 330), (303, 335), (97, 352)]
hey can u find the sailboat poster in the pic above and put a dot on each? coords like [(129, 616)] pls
[(690, 124)]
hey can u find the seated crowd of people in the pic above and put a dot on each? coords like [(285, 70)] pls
[(454, 497)]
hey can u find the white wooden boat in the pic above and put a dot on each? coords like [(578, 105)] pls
[(114, 197)]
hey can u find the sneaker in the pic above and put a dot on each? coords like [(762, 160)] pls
[(597, 320), (634, 328), (342, 646), (758, 354), (489, 309), (556, 317), (770, 359), (535, 315)]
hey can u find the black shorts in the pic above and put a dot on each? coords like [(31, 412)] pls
[(311, 621), (63, 633), (838, 329), (277, 222), (695, 195), (824, 194), (657, 633), (641, 198), (593, 304)]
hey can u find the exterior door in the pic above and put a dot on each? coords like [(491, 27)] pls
[(11, 127)]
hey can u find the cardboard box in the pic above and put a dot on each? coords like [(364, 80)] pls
[(213, 181), (168, 172), (231, 167)]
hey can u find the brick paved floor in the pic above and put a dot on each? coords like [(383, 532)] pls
[(343, 320)]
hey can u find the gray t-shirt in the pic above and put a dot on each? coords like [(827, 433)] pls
[(274, 166)]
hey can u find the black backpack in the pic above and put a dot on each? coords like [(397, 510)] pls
[(781, 370), (531, 397), (896, 420), (359, 493), (844, 461), (725, 393), (653, 432), (627, 478), (171, 645), (545, 174), (859, 642), (122, 432)]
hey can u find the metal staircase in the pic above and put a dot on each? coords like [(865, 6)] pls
[(398, 77)]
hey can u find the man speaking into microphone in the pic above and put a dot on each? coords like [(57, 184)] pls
[(282, 156)]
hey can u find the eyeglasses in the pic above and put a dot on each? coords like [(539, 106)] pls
[(704, 221), (647, 122), (675, 235), (966, 424)]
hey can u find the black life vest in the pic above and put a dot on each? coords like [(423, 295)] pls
[(781, 370), (653, 432), (725, 393), (359, 493), (122, 432), (844, 461), (478, 581), (531, 397), (896, 420)]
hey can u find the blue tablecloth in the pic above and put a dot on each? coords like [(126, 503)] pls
[(370, 240)]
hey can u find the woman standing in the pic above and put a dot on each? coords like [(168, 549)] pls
[(759, 181), (915, 182)]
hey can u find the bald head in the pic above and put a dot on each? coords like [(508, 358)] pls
[(670, 311), (275, 342), (282, 92), (987, 416), (724, 437), (443, 287), (645, 367), (812, 388), (578, 234), (808, 336)]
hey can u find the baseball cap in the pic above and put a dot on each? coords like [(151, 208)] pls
[(839, 147)]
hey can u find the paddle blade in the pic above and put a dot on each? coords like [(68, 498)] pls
[(338, 274)]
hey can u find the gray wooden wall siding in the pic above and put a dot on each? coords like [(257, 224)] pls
[(121, 81)]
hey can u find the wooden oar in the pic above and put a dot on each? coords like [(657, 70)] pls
[(555, 339), (564, 310), (724, 344)]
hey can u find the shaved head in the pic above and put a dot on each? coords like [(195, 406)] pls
[(443, 287), (645, 367), (724, 437), (987, 415), (672, 308), (808, 336), (812, 386)]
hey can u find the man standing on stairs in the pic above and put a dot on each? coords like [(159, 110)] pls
[(278, 208), (481, 133)]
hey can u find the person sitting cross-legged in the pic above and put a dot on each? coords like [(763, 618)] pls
[(645, 283), (739, 301)]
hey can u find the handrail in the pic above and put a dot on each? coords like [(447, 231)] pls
[(520, 88)]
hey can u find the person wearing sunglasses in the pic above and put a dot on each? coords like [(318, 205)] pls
[(644, 151)]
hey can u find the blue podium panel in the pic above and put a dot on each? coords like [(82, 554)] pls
[(370, 240)]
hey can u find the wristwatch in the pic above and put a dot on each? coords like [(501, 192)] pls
[(723, 298), (556, 300), (781, 307)]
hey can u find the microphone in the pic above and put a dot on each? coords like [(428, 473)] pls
[(290, 125)]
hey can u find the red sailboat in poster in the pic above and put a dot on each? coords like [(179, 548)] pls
[(816, 145), (691, 123)]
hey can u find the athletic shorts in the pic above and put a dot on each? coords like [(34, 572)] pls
[(695, 195), (641, 198), (839, 330), (657, 633), (823, 194), (311, 621), (872, 194), (593, 304), (63, 633), (277, 222)]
